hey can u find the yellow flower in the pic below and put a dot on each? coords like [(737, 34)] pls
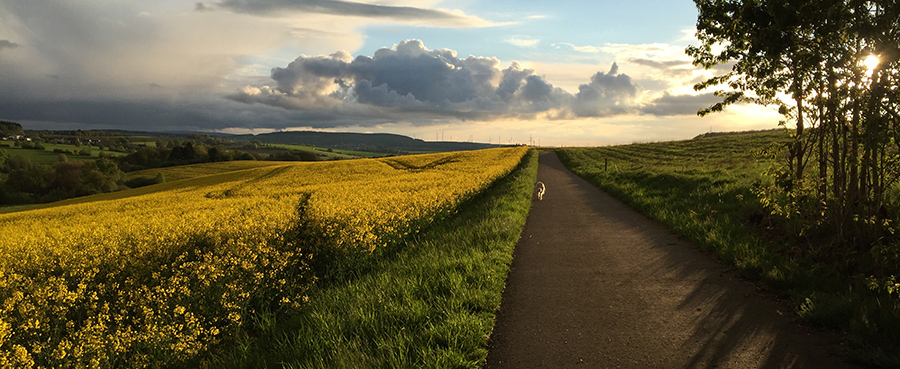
[(207, 243)]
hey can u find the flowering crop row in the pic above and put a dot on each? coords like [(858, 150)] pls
[(166, 276)]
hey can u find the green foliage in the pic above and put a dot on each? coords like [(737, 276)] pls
[(27, 182), (833, 190), (8, 129), (183, 153), (141, 181), (806, 58)]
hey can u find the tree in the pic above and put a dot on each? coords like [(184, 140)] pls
[(806, 58), (8, 129), (184, 152), (26, 181)]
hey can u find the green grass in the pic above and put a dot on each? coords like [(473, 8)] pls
[(701, 189), (47, 156), (428, 302), (334, 154)]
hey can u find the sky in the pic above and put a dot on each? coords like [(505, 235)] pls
[(560, 73)]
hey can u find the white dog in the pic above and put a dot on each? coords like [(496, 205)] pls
[(540, 190)]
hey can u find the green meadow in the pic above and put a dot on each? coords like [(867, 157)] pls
[(47, 155)]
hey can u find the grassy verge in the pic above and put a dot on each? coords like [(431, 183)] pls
[(429, 302), (701, 189)]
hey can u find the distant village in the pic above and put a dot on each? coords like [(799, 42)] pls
[(16, 138), (61, 141)]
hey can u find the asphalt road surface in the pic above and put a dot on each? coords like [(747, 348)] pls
[(594, 284)]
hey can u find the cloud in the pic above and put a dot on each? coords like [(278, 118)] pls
[(667, 71), (172, 115), (201, 7), (115, 52), (607, 94), (661, 64), (451, 18), (410, 80), (587, 49), (522, 42), (7, 44), (669, 105), (655, 51), (408, 77)]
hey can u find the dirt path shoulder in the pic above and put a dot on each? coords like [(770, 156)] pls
[(594, 284)]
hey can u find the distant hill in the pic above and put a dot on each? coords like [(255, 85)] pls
[(381, 142), (373, 142)]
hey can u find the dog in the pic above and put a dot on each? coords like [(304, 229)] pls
[(540, 188)]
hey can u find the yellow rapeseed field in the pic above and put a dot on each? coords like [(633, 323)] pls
[(153, 278)]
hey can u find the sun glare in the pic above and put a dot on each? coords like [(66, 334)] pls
[(871, 62)]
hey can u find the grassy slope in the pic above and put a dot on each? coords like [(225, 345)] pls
[(202, 169), (701, 189), (47, 156), (429, 303), (335, 154)]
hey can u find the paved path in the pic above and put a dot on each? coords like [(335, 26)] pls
[(594, 284)]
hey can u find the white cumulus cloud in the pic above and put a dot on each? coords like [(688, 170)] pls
[(523, 42)]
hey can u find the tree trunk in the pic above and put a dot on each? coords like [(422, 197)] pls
[(798, 141)]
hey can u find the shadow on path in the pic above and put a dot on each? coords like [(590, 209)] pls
[(594, 284)]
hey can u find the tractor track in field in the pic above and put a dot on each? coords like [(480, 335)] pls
[(594, 284)]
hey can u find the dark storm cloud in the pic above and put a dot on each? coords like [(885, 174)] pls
[(668, 105), (408, 83), (337, 7), (410, 78), (196, 115)]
